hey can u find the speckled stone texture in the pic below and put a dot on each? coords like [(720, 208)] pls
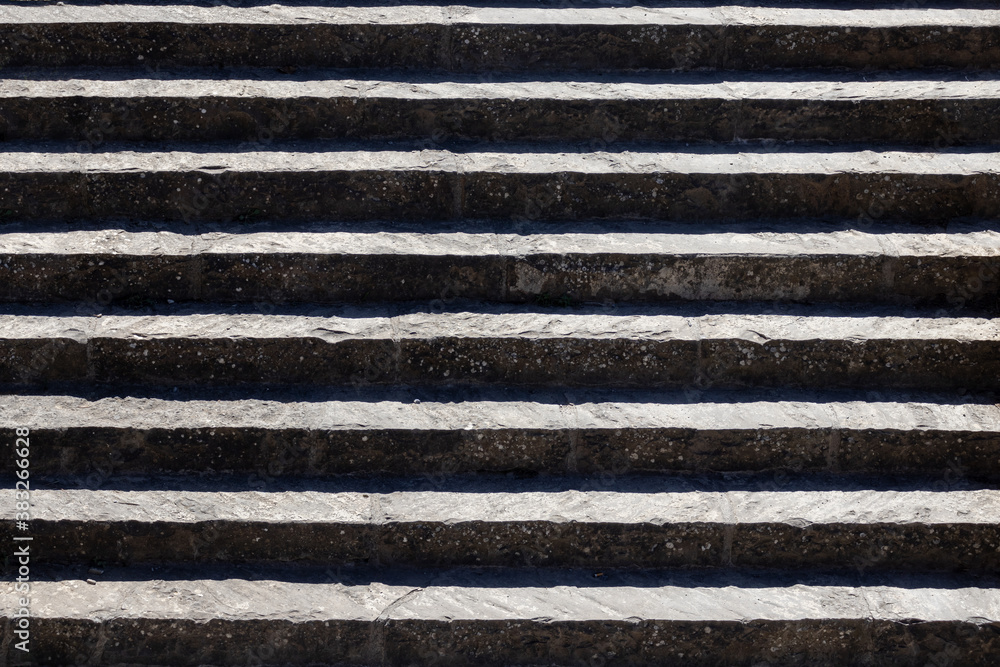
[(501, 522), (557, 333), (457, 38), (308, 181), (631, 262), (627, 348), (315, 433), (101, 105), (194, 617)]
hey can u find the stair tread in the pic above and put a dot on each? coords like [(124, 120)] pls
[(517, 502), (325, 157), (721, 15), (543, 596), (375, 322), (261, 83), (788, 239), (507, 409)]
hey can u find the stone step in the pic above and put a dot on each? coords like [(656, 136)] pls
[(438, 434), (470, 38), (130, 263), (232, 616), (512, 334), (98, 106), (320, 180), (481, 345), (653, 522)]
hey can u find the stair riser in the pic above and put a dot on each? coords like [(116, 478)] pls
[(472, 47), (823, 642), (837, 546), (383, 194), (95, 454), (599, 123), (902, 364), (270, 279)]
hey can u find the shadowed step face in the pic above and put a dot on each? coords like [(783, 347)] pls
[(505, 334)]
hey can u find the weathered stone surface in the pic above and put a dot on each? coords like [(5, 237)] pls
[(657, 522), (229, 616), (465, 233), (802, 347), (268, 265), (322, 180), (323, 432), (95, 107), (460, 38)]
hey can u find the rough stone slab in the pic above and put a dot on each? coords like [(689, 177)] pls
[(626, 348), (323, 433), (499, 38), (457, 15), (243, 83), (95, 107), (526, 617), (333, 157), (514, 524), (331, 265), (973, 240), (324, 181)]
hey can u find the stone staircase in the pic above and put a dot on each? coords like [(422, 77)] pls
[(576, 334)]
